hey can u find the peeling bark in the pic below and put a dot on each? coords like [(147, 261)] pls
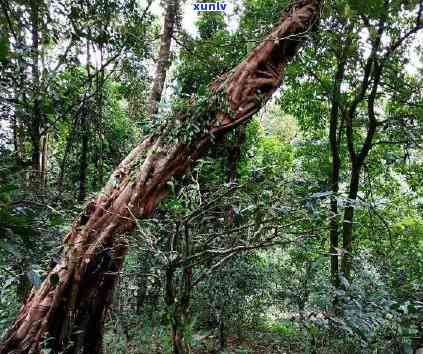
[(67, 311)]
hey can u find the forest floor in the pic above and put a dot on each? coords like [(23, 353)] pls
[(256, 343), (283, 338), (237, 345)]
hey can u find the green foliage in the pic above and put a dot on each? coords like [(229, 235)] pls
[(204, 59), (259, 17), (210, 23), (282, 329), (4, 47)]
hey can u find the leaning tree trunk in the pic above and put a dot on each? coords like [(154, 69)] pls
[(66, 313)]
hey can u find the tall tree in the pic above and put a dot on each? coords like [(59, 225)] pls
[(67, 312), (364, 102), (36, 118), (163, 62)]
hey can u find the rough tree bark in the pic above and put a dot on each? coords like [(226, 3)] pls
[(164, 53), (66, 313)]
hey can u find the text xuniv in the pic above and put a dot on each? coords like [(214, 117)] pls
[(214, 6)]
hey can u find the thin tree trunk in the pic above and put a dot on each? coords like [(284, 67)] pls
[(142, 282), (357, 162), (334, 225), (95, 162), (178, 301), (335, 133), (99, 120), (83, 157), (44, 159), (83, 162), (35, 125), (69, 307), (222, 328), (69, 141), (348, 222), (35, 156), (164, 54), (16, 138), (178, 296)]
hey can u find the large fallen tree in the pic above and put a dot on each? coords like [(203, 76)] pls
[(66, 313)]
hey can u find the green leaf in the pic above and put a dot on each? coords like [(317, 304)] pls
[(48, 108), (4, 47), (348, 11), (56, 220)]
